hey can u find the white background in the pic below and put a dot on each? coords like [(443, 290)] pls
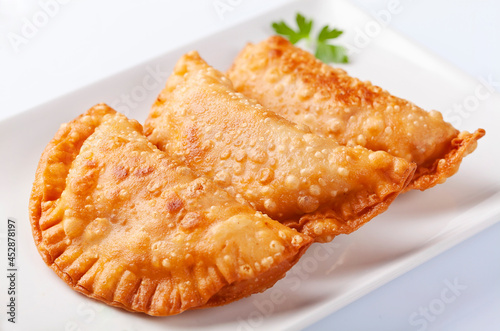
[(85, 41)]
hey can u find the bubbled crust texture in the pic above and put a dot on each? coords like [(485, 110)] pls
[(122, 222), (297, 86), (303, 180)]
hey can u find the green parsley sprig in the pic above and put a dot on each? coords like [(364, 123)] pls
[(324, 51)]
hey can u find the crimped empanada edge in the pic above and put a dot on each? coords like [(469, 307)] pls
[(38, 192), (445, 167), (330, 218), (243, 288), (426, 176), (272, 275), (64, 148)]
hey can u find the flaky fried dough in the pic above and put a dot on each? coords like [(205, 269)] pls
[(303, 180), (297, 86), (122, 222)]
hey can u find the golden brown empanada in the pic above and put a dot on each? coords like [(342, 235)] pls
[(303, 180), (122, 222), (297, 86)]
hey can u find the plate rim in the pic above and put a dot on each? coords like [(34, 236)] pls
[(428, 253)]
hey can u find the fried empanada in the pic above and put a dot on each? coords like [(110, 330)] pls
[(303, 180), (299, 87), (124, 223)]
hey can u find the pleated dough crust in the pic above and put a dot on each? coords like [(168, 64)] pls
[(122, 222), (303, 180), (299, 87)]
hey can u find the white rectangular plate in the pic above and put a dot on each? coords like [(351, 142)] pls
[(418, 225)]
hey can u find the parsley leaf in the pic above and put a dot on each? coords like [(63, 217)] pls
[(294, 36), (325, 34), (324, 51), (304, 25), (331, 53)]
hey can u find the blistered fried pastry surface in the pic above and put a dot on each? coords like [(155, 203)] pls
[(297, 86), (122, 222), (303, 180)]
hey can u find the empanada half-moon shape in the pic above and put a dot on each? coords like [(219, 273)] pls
[(303, 180), (122, 222), (299, 87)]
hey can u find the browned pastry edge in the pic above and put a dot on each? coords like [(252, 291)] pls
[(44, 193), (423, 179), (226, 295), (58, 157), (427, 177), (298, 63), (248, 287), (45, 190), (322, 224), (335, 225)]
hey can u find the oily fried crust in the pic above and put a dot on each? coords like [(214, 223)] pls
[(299, 87), (227, 293), (329, 224), (427, 177), (121, 271), (305, 181), (247, 287), (50, 180), (54, 165)]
